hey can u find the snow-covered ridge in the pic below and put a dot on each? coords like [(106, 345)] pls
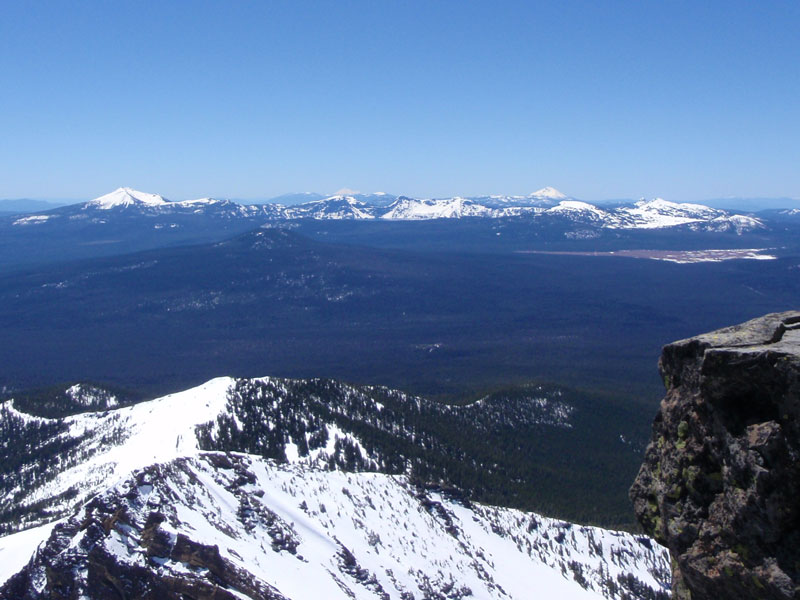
[(112, 444), (449, 208), (300, 533), (283, 525), (334, 207), (259, 529), (237, 414), (581, 210)]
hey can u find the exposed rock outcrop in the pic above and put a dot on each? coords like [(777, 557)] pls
[(234, 526), (720, 483), (124, 544)]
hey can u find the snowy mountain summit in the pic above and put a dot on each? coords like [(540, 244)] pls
[(125, 197), (548, 193), (276, 489)]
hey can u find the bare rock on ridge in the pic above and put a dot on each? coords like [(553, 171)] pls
[(720, 483)]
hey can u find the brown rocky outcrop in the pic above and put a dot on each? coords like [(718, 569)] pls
[(720, 483)]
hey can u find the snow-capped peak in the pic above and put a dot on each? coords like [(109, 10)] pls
[(549, 193), (126, 196)]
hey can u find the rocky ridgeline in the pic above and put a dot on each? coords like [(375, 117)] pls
[(297, 489), (720, 481), (231, 526)]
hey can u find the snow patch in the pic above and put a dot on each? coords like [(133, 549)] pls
[(32, 220)]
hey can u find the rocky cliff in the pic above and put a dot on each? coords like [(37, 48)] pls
[(720, 483)]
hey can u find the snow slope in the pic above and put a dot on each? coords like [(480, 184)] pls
[(99, 447), (289, 529), (659, 213), (579, 210), (112, 444), (306, 534), (16, 549)]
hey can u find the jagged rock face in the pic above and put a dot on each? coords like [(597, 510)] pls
[(721, 477), (125, 544)]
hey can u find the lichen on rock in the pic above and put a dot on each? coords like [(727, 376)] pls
[(720, 482)]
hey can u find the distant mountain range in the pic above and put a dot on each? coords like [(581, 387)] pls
[(15, 206), (547, 203), (382, 199), (128, 220)]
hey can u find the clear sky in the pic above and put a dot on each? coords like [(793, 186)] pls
[(684, 100)]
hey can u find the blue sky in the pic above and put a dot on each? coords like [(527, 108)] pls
[(685, 100)]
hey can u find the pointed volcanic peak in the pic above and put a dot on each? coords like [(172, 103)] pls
[(548, 193), (124, 197)]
